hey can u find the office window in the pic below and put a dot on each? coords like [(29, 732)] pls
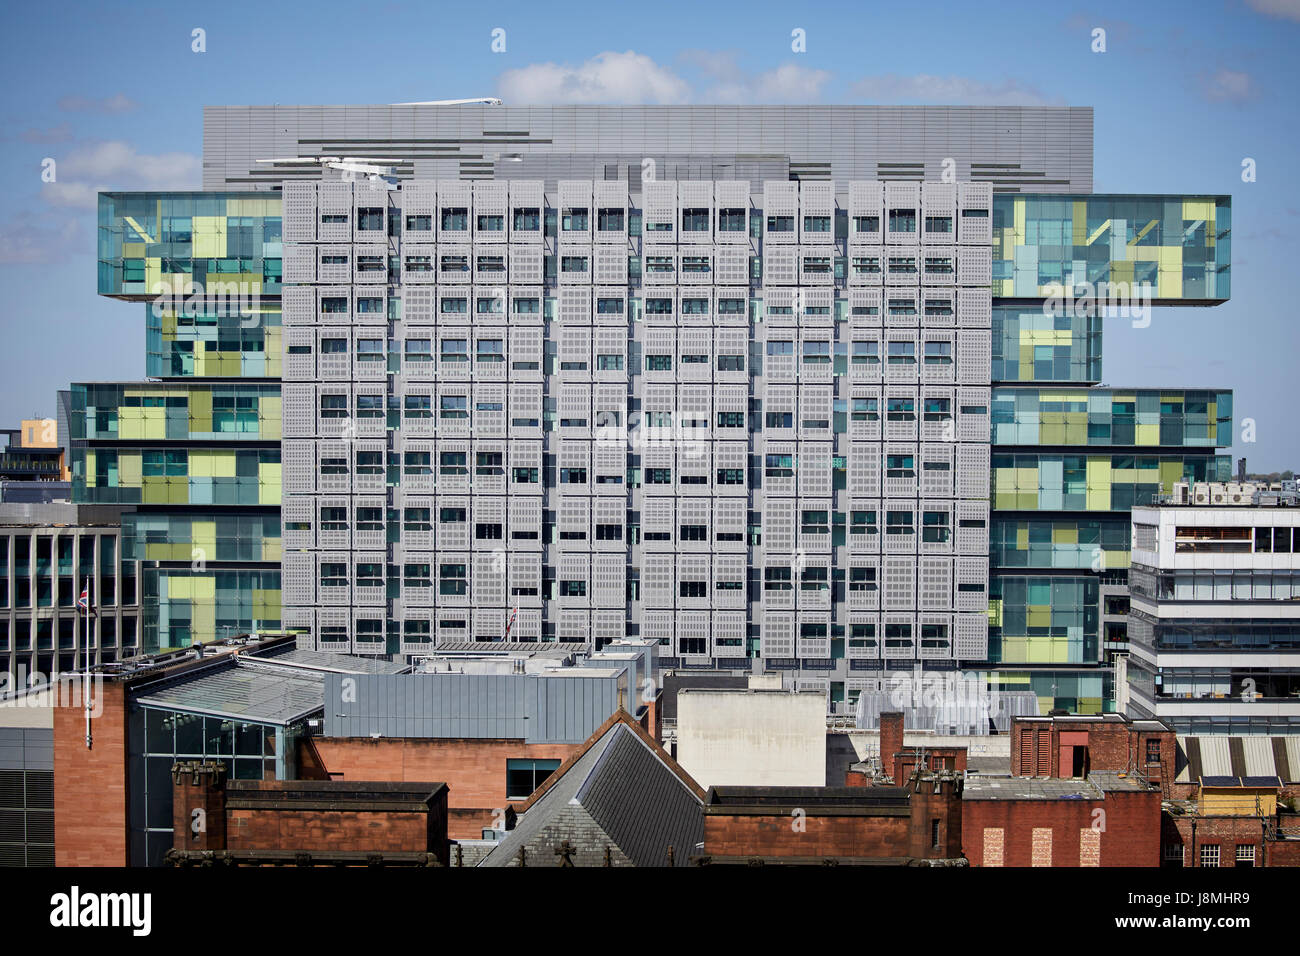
[(525, 776)]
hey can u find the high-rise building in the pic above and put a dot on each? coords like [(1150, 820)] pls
[(195, 452), (767, 383), (1214, 628)]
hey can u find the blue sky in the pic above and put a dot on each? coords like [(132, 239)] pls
[(1184, 92)]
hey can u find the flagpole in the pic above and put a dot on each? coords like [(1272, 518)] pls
[(85, 689)]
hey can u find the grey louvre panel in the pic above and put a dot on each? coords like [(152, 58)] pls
[(1028, 149)]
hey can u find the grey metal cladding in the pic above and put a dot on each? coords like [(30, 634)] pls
[(26, 748), (1041, 149), (531, 707)]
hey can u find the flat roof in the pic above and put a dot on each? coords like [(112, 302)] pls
[(253, 694), (983, 787), (325, 661)]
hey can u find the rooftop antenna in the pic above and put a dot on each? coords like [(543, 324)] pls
[(477, 100), (373, 169)]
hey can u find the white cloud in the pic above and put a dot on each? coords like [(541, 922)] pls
[(608, 77), (29, 239), (117, 103), (889, 88), (1285, 9), (1228, 86), (113, 164), (729, 83)]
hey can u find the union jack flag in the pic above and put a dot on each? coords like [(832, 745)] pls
[(511, 622), (83, 602)]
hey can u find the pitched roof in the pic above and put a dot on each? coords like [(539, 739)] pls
[(1246, 755), (625, 785)]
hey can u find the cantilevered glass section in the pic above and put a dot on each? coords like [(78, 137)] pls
[(1177, 247), (176, 476), (1104, 417), (209, 343), (1043, 481), (1098, 543), (218, 536), (160, 411), (190, 246), (1032, 345)]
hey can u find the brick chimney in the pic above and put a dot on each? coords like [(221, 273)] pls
[(198, 805), (891, 742), (935, 803)]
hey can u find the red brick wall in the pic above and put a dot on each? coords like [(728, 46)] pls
[(822, 837), (474, 770), (327, 830), (1112, 745), (91, 827), (1194, 832), (1131, 836), (891, 742), (201, 791)]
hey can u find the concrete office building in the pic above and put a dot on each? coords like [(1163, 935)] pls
[(49, 552), (1214, 619)]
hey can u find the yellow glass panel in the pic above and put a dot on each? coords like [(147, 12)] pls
[(1147, 435), (268, 476), (129, 469), (1065, 535), (209, 237)]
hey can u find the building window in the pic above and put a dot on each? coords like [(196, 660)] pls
[(525, 776), (1210, 854), (1245, 854)]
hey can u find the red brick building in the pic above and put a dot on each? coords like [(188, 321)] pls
[(268, 822), (1106, 820), (918, 824), (475, 770), (1075, 746), (1231, 822)]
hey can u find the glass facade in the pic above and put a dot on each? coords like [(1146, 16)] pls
[(1180, 246), (176, 412), (155, 242), (1032, 345), (200, 460), (1043, 619), (213, 342), (1062, 541), (155, 536), (176, 476), (1041, 481), (159, 738), (1109, 417), (181, 605), (1080, 692)]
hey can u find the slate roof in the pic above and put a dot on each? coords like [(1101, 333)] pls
[(621, 790)]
